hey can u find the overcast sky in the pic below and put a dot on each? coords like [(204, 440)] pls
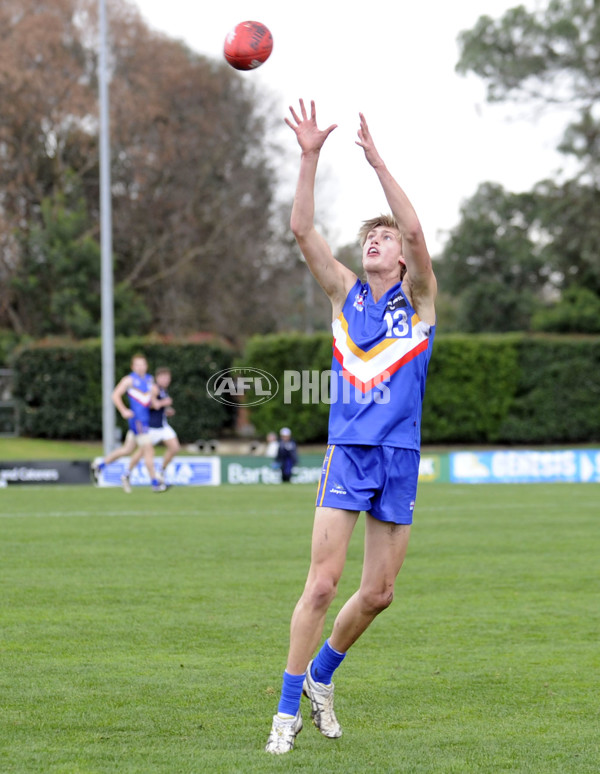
[(394, 61)]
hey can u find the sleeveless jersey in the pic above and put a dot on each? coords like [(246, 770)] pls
[(381, 352), (139, 395), (157, 416)]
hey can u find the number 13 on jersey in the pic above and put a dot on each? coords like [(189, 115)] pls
[(397, 324)]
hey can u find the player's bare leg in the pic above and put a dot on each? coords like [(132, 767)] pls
[(128, 447), (385, 549), (332, 531), (148, 453), (172, 447), (136, 457), (133, 461)]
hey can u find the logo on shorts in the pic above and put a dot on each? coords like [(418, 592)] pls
[(337, 489), (412, 506)]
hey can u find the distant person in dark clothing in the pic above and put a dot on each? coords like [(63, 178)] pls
[(287, 454)]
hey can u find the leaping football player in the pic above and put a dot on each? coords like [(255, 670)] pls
[(383, 332)]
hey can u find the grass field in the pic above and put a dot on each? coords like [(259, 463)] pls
[(148, 634), (44, 449)]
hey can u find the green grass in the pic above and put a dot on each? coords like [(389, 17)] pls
[(148, 634), (43, 449)]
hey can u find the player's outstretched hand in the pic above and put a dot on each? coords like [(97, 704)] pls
[(310, 137), (365, 141)]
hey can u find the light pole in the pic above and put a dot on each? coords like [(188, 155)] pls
[(106, 267)]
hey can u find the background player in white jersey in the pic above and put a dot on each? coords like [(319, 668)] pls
[(383, 331), (159, 431)]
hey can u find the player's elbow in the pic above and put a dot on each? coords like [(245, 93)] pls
[(300, 228), (413, 235), (302, 221)]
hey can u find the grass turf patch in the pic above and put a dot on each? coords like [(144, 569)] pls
[(148, 634), (44, 449)]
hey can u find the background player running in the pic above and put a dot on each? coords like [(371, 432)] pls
[(137, 385), (160, 431)]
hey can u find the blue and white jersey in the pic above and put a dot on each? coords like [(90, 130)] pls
[(381, 352), (140, 394)]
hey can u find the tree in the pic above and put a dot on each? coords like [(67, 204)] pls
[(548, 56), (549, 238), (56, 286), (196, 233), (578, 311), (38, 112), (492, 261)]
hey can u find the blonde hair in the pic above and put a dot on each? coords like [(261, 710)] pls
[(386, 221)]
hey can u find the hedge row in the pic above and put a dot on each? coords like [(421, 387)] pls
[(60, 388), (282, 353), (509, 389)]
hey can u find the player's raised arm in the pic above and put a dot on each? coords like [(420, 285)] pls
[(335, 278), (419, 270)]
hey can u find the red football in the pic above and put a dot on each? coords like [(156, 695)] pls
[(248, 45)]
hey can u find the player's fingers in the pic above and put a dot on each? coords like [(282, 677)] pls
[(364, 127), (294, 115)]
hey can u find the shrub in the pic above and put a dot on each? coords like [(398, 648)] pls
[(481, 389), (60, 390)]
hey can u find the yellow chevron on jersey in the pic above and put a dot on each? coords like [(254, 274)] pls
[(381, 351), (367, 368), (370, 353)]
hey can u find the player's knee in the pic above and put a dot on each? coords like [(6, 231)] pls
[(320, 591), (375, 601)]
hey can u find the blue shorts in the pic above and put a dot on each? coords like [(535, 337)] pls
[(381, 480), (137, 426)]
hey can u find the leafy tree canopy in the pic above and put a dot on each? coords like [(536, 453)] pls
[(535, 245), (198, 242)]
